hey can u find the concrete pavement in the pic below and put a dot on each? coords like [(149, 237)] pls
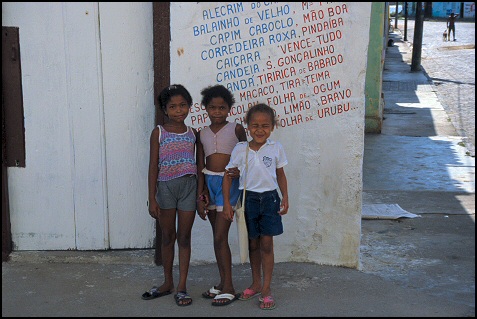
[(451, 68), (423, 266)]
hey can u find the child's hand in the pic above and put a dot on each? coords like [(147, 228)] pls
[(154, 209), (283, 207), (228, 213), (233, 172), (202, 204), (205, 198)]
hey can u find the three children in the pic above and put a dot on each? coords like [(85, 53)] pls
[(190, 170)]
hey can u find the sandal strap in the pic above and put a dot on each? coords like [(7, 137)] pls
[(225, 296), (214, 291), (153, 291), (183, 295), (267, 299)]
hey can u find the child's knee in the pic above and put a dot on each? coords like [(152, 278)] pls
[(168, 239), (266, 249), (183, 241), (221, 239)]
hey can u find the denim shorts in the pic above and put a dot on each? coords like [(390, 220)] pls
[(179, 193), (262, 214), (214, 184)]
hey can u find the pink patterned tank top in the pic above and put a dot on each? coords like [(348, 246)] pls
[(176, 154)]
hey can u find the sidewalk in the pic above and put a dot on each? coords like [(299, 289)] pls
[(415, 267)]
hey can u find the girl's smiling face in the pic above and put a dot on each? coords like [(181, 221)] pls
[(260, 127)]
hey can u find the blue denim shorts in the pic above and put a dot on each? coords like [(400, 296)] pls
[(214, 184), (261, 214)]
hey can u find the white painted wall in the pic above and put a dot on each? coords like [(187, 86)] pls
[(87, 73), (325, 151), (128, 85)]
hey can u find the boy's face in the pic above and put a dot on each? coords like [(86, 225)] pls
[(177, 109), (218, 110), (260, 127)]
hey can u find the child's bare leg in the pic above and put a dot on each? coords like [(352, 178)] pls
[(167, 220), (224, 256), (268, 260), (255, 264), (185, 222), (213, 222)]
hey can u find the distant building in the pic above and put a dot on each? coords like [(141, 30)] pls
[(441, 9)]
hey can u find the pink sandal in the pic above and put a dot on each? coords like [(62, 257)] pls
[(267, 300), (248, 294)]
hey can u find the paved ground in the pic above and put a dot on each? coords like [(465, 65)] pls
[(419, 162), (415, 267), (451, 67)]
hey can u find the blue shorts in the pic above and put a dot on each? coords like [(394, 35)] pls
[(216, 200), (262, 214)]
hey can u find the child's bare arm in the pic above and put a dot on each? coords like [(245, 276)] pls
[(228, 212), (202, 190), (154, 209), (240, 133), (283, 185)]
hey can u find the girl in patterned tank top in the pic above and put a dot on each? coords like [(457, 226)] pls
[(172, 183)]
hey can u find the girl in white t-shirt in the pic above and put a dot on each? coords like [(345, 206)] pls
[(263, 208)]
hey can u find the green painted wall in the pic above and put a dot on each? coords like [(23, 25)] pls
[(374, 71)]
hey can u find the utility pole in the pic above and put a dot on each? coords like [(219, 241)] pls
[(405, 21), (396, 15), (417, 41)]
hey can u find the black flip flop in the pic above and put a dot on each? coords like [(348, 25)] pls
[(211, 293), (231, 298), (180, 297), (154, 293)]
